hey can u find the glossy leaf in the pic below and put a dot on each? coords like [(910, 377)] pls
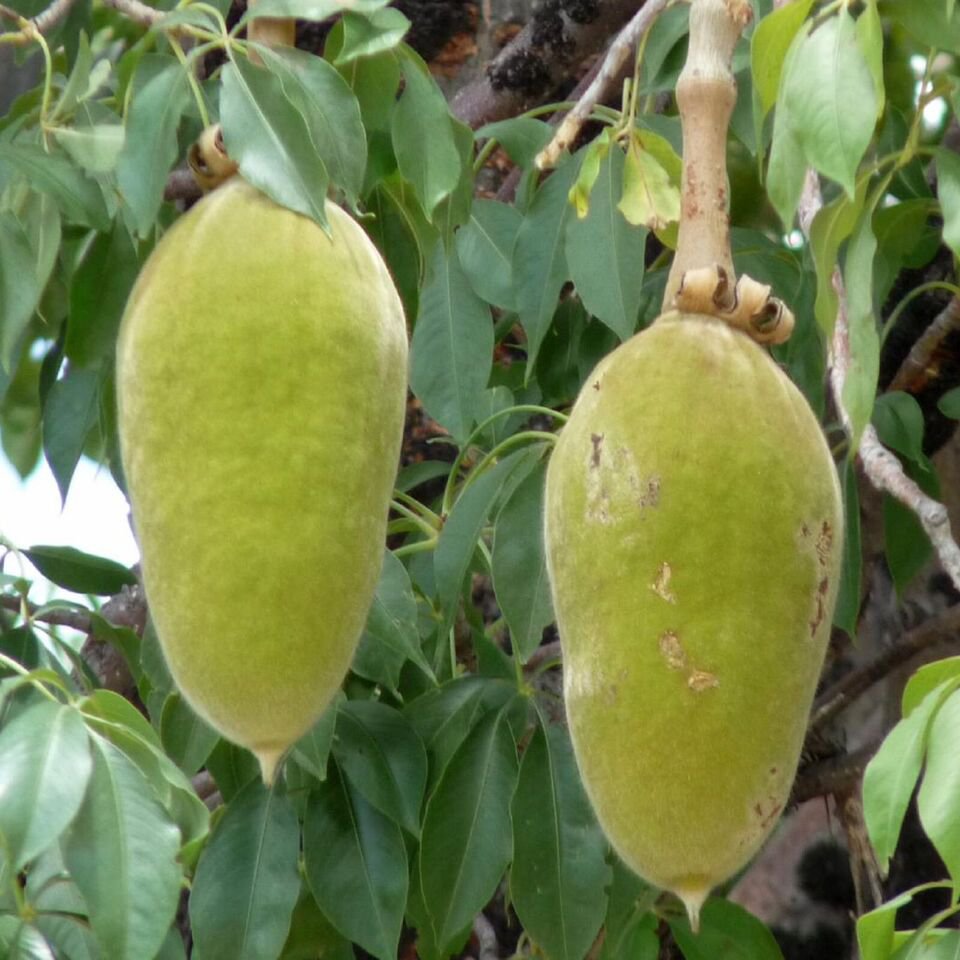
[(899, 423), (19, 290), (247, 882), (45, 765), (383, 758), (860, 386), (366, 36), (467, 834), (768, 49), (539, 256), (934, 24), (356, 864), (330, 110), (521, 137), (939, 797), (559, 872), (949, 404), (268, 137), (875, 929), (98, 295), (71, 411), (452, 345), (121, 851), (312, 750), (485, 245), (605, 253), (233, 768), (423, 136), (186, 738), (728, 931), (80, 572), (926, 679), (312, 935), (519, 564), (948, 191), (891, 776), (828, 72)]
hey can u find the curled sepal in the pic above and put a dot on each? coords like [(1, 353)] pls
[(209, 161)]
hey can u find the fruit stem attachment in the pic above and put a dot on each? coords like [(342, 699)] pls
[(706, 95)]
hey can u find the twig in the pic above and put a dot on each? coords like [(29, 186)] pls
[(882, 468), (916, 366), (136, 11), (854, 684), (549, 651), (620, 49), (43, 22), (486, 936), (74, 619), (127, 609)]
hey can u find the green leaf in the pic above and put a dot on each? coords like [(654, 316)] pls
[(233, 768), (467, 834), (899, 423), (269, 139), (312, 750), (831, 226), (423, 136), (891, 775), (160, 96), (458, 538), (847, 611), (94, 147), (332, 114), (77, 83), (45, 764), (485, 245), (559, 869), (374, 81), (869, 31), (875, 929), (787, 168), (519, 564), (605, 254), (931, 23), (312, 936), (356, 865), (366, 36), (827, 73), (444, 717), (186, 738), (78, 196), (452, 346), (383, 758), (907, 545), (629, 904), (651, 197), (949, 404), (80, 572), (860, 386), (121, 851), (593, 154), (939, 797), (391, 634), (948, 191), (40, 217), (98, 294), (70, 412), (728, 931), (521, 137), (768, 49), (638, 942), (539, 256), (247, 882), (22, 941), (19, 290), (926, 679), (313, 9)]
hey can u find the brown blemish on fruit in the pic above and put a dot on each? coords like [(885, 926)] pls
[(822, 588), (700, 680), (672, 650), (597, 440), (661, 584), (596, 384), (824, 543), (652, 495)]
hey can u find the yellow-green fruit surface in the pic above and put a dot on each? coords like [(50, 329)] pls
[(693, 529), (261, 376)]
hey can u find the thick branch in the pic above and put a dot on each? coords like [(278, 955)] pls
[(43, 22), (836, 775), (609, 72), (560, 35), (853, 685), (136, 11)]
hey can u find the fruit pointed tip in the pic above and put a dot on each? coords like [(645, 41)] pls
[(693, 900), (269, 761)]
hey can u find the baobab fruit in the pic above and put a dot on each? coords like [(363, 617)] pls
[(261, 378), (693, 530)]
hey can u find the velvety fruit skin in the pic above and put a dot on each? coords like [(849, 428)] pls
[(261, 376), (693, 528)]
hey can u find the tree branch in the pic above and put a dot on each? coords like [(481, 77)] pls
[(856, 683), (43, 22), (916, 368), (621, 48), (835, 775), (136, 11), (75, 619), (561, 34)]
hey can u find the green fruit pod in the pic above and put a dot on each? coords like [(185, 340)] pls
[(693, 531), (261, 381)]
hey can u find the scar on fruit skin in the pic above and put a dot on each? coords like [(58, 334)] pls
[(672, 650), (661, 584), (822, 589), (700, 680), (597, 440)]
